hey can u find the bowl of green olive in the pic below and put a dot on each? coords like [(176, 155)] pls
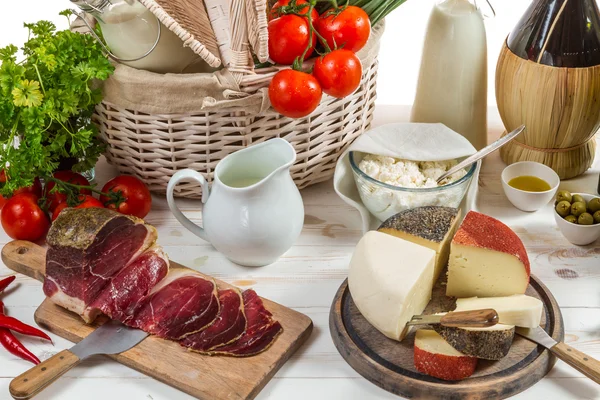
[(578, 216)]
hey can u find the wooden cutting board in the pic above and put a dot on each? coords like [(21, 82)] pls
[(389, 364), (204, 377)]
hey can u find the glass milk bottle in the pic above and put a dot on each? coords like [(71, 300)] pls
[(136, 38), (452, 86)]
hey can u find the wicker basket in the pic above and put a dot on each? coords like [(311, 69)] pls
[(154, 146)]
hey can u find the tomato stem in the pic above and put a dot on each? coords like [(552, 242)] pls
[(311, 31), (73, 190)]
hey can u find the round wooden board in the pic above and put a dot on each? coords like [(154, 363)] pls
[(389, 364)]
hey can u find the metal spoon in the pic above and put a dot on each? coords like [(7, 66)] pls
[(482, 153)]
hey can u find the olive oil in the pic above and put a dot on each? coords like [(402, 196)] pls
[(529, 183)]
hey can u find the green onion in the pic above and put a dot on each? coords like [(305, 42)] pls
[(376, 9)]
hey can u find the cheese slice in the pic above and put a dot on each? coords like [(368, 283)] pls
[(491, 343), (390, 280), (429, 226), (519, 310), (487, 259)]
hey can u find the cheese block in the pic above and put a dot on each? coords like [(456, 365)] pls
[(429, 226), (519, 310), (487, 259), (390, 280), (491, 343), (435, 357)]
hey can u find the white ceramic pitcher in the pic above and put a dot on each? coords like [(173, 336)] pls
[(254, 212)]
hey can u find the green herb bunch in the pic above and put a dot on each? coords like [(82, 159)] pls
[(47, 101)]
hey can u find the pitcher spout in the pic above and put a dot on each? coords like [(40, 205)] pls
[(257, 164)]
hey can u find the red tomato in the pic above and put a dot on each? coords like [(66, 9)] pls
[(87, 201), (338, 72), (54, 199), (274, 13), (137, 196), (294, 94), (2, 201), (350, 28), (35, 189), (23, 219), (288, 38)]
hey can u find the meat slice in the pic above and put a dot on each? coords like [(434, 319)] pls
[(87, 247), (122, 297), (181, 304), (261, 330), (227, 328)]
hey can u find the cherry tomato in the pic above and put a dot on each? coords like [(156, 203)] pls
[(54, 199), (288, 38), (87, 201), (137, 196), (294, 94), (23, 219), (338, 72), (350, 28), (274, 13)]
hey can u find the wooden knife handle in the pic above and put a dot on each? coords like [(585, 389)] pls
[(583, 363), (471, 319), (33, 381)]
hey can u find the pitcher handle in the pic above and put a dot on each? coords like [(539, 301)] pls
[(189, 174)]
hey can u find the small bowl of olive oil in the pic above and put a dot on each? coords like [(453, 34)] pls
[(529, 185)]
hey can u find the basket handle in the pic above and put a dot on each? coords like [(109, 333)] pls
[(187, 174)]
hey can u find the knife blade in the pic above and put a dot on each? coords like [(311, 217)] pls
[(583, 363), (473, 319), (111, 338)]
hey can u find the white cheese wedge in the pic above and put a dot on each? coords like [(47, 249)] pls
[(487, 259), (390, 280), (519, 310), (428, 226)]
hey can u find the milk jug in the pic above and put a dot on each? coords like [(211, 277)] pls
[(135, 37), (452, 86)]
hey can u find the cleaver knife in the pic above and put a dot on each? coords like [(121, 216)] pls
[(111, 338), (583, 363)]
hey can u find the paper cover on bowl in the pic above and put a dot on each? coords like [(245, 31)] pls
[(409, 141)]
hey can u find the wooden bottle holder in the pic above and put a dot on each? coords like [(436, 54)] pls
[(560, 108)]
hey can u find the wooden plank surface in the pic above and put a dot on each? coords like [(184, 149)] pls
[(389, 364), (306, 279), (201, 376)]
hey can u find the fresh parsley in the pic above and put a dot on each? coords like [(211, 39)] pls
[(47, 101)]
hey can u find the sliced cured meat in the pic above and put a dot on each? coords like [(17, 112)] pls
[(261, 330), (227, 328), (122, 297), (181, 304), (87, 247)]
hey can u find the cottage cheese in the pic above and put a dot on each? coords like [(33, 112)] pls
[(384, 202), (406, 173)]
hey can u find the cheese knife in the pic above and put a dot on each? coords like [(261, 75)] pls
[(465, 319), (111, 338), (583, 363)]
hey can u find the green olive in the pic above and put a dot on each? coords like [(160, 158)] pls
[(585, 219), (578, 208), (571, 218), (563, 195), (563, 208), (594, 205), (577, 198), (597, 217)]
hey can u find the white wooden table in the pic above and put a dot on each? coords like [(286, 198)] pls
[(308, 276)]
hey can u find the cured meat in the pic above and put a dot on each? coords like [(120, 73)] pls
[(227, 328), (181, 304), (122, 297), (87, 247), (261, 330)]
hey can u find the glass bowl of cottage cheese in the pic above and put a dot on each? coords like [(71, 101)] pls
[(388, 185)]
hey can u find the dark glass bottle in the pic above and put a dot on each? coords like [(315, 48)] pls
[(559, 33)]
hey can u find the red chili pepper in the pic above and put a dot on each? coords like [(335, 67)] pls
[(6, 281), (14, 346), (15, 325)]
